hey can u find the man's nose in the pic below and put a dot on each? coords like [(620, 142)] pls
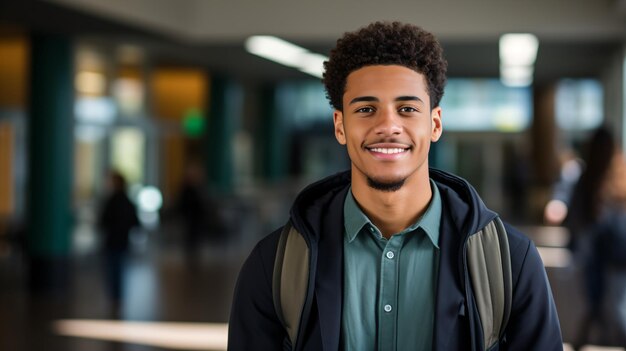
[(388, 123)]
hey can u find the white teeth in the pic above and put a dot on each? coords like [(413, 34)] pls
[(388, 151)]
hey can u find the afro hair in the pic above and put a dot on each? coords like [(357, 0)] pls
[(384, 43)]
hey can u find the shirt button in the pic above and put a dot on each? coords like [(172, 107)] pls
[(387, 308), (390, 255)]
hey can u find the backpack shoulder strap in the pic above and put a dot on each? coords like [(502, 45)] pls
[(290, 279), (489, 263)]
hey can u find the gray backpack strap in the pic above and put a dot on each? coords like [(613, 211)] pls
[(489, 261), (290, 279)]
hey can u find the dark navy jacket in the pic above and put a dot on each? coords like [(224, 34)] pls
[(318, 214)]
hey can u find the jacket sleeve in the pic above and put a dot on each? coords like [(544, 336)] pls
[(253, 323), (534, 323)]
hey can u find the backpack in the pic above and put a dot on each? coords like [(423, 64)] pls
[(489, 268)]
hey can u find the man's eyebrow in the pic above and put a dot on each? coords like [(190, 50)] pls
[(363, 98), (409, 98), (375, 99)]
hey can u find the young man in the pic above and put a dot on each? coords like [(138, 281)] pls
[(387, 241)]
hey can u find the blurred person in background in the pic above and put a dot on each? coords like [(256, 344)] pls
[(388, 240), (117, 217), (556, 209), (596, 219), (612, 248), (193, 207)]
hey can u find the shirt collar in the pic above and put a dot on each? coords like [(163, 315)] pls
[(431, 219), (355, 219)]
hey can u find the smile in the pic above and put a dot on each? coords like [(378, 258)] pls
[(388, 150)]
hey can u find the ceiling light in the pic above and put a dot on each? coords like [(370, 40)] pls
[(313, 64), (275, 49), (518, 49), (518, 53), (286, 53)]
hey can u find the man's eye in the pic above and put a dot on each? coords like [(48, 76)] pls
[(407, 109), (365, 110)]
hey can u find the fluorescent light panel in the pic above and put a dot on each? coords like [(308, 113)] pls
[(518, 53), (286, 53), (313, 64), (518, 49)]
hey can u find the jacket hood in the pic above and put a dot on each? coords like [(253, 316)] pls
[(459, 198), (312, 204), (467, 209)]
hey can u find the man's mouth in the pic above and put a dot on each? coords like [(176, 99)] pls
[(388, 151), (383, 150)]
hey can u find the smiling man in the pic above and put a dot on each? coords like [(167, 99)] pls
[(392, 255)]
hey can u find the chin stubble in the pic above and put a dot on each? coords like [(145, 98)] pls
[(385, 186)]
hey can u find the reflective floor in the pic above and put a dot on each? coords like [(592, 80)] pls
[(163, 284)]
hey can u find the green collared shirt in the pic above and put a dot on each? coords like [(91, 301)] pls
[(389, 285)]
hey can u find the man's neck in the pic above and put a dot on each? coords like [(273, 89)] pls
[(392, 212)]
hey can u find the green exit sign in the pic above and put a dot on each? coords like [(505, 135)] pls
[(193, 123)]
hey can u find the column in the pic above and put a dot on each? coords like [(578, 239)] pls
[(272, 136), (224, 115), (50, 166)]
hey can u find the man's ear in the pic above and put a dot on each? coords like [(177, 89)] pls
[(340, 133), (435, 122)]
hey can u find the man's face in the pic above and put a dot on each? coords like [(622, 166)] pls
[(387, 124)]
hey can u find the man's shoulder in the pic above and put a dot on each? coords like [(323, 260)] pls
[(259, 264), (516, 237), (523, 251), (267, 245)]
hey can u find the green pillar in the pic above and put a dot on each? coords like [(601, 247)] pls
[(272, 136), (223, 120), (51, 137)]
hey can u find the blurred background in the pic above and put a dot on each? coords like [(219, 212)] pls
[(181, 112)]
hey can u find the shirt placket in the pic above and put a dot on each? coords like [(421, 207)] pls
[(388, 297)]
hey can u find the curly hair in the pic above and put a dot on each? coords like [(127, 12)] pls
[(384, 43)]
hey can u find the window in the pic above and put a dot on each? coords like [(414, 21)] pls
[(485, 105), (579, 104)]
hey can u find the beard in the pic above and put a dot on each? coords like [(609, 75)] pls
[(387, 186)]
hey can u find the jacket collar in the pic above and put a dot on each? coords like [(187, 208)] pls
[(309, 210), (467, 210)]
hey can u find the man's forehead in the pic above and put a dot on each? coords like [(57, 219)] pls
[(394, 80), (385, 71)]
